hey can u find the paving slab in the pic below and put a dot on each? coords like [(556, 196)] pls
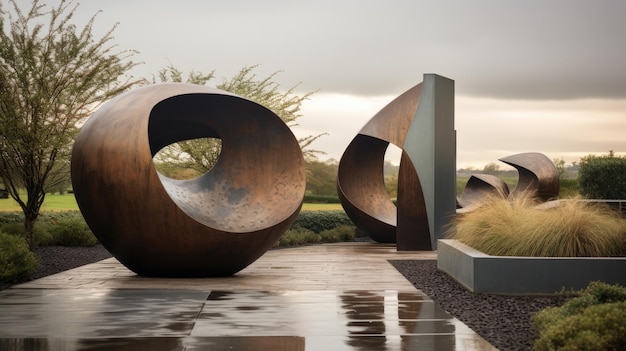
[(343, 296)]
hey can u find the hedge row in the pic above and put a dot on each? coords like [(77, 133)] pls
[(54, 228), (318, 221), (602, 177), (321, 199)]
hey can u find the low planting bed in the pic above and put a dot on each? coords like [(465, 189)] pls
[(519, 246), (484, 273)]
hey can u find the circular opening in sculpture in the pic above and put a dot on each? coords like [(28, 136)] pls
[(391, 169), (258, 178), (188, 159)]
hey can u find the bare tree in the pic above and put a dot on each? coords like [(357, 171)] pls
[(52, 76)]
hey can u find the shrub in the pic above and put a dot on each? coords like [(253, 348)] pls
[(55, 217), (73, 232), (517, 227), (568, 188), (17, 262), (300, 236), (592, 321), (297, 236), (41, 235), (318, 221), (599, 327), (13, 228), (602, 177), (337, 234), (13, 223), (10, 217), (321, 199)]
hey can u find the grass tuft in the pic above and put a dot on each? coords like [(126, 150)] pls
[(518, 227)]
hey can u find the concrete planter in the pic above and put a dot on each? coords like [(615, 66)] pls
[(512, 275)]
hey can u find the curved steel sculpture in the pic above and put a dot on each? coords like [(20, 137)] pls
[(360, 182), (214, 225), (364, 197), (538, 177), (480, 187), (421, 123), (537, 174)]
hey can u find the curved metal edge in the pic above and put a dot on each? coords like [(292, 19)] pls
[(361, 190), (537, 174), (479, 187)]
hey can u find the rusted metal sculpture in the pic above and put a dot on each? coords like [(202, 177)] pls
[(480, 187), (421, 123), (536, 174), (214, 225), (538, 177)]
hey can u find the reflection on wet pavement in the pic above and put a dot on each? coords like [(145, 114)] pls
[(140, 319)]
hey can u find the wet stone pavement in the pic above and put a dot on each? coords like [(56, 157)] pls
[(135, 313)]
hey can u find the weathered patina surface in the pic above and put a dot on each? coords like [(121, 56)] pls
[(421, 123), (213, 225)]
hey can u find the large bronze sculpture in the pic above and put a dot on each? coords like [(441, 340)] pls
[(214, 225), (421, 123)]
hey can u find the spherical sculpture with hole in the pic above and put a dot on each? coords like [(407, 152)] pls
[(213, 225)]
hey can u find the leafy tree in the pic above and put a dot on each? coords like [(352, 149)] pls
[(52, 76), (321, 177), (200, 155), (491, 168), (559, 163)]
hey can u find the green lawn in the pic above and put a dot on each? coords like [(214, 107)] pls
[(53, 202), (67, 202)]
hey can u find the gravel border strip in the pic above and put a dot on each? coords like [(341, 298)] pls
[(504, 321)]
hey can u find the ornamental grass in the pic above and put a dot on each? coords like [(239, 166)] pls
[(521, 227)]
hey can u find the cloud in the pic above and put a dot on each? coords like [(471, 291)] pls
[(547, 76), (487, 129), (559, 49), (560, 129)]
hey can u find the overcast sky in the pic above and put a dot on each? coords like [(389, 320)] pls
[(545, 76)]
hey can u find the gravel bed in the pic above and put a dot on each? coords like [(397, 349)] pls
[(504, 321)]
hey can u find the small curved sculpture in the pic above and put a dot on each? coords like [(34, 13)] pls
[(480, 187), (537, 174), (214, 225), (538, 177)]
